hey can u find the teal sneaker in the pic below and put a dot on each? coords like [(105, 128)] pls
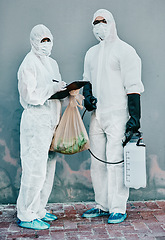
[(49, 217), (94, 212), (36, 224), (117, 217)]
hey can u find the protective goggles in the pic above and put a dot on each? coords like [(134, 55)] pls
[(99, 21)]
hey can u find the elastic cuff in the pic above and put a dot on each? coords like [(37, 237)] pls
[(133, 93), (56, 87)]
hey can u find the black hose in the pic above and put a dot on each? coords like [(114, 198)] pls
[(103, 160), (97, 157), (84, 114)]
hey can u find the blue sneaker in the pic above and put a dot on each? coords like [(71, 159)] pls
[(49, 217), (36, 224), (94, 212), (117, 217)]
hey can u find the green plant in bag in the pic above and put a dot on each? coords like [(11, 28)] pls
[(71, 146)]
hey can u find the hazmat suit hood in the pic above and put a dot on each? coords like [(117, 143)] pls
[(37, 34), (104, 31)]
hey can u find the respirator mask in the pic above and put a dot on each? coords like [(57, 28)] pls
[(45, 48), (101, 31)]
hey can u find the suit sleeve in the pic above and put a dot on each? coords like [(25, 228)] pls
[(28, 89), (131, 71)]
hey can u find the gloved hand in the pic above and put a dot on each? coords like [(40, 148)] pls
[(128, 136), (133, 123), (89, 101), (61, 86), (58, 87)]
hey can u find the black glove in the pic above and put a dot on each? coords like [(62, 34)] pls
[(89, 101), (133, 123), (128, 136)]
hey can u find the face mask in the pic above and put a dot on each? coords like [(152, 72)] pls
[(45, 48), (100, 31)]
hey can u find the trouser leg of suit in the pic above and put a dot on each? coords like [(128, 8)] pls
[(108, 180), (35, 138), (98, 169), (48, 184)]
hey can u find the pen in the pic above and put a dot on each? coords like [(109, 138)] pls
[(55, 80)]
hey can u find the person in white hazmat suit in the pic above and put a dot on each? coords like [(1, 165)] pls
[(37, 82), (113, 95)]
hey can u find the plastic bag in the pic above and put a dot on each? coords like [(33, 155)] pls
[(70, 136)]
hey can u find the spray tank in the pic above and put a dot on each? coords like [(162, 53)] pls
[(135, 162)]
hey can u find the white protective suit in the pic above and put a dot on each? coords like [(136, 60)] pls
[(39, 120), (114, 69)]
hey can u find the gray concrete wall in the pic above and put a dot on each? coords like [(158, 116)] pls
[(141, 23)]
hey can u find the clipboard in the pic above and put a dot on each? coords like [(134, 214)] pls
[(69, 87)]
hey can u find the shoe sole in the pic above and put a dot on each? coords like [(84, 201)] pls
[(117, 221), (33, 227), (93, 215), (48, 219)]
